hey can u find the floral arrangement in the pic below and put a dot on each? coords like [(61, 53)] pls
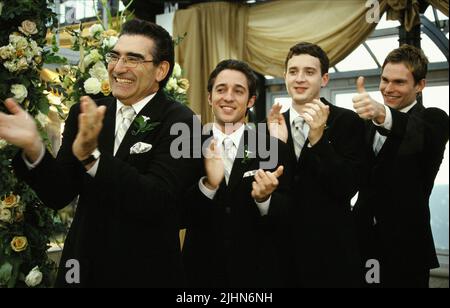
[(90, 76), (177, 86), (25, 224)]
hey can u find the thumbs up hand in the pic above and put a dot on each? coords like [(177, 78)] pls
[(365, 106)]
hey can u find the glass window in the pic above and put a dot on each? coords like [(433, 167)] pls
[(382, 46), (431, 51), (359, 59), (384, 24), (429, 14)]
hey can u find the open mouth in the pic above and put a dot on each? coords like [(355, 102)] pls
[(227, 109), (123, 80)]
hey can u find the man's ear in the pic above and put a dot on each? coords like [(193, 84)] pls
[(209, 99), (420, 86), (162, 70), (325, 79), (251, 102)]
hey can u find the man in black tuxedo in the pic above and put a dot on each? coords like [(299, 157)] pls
[(326, 158), (125, 232), (228, 241), (405, 143)]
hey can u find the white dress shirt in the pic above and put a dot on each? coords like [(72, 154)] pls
[(236, 136), (387, 124)]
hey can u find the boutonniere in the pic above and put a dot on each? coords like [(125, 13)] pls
[(142, 124), (247, 154)]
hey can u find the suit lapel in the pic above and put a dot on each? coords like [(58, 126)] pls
[(153, 110), (106, 137), (239, 166), (290, 140)]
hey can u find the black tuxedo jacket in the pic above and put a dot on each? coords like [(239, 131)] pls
[(228, 243), (125, 232), (317, 210), (392, 211)]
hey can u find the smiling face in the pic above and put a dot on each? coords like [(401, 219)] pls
[(303, 78), (130, 85), (397, 86), (229, 97)]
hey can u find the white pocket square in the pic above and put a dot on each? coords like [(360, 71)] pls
[(140, 147), (250, 173)]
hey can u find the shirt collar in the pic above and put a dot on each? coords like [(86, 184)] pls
[(293, 114), (408, 108), (235, 136), (136, 106)]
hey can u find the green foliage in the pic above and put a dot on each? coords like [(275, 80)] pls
[(26, 226)]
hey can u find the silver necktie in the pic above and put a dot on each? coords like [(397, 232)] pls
[(127, 113)]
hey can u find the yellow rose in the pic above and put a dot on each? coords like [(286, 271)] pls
[(38, 59), (106, 89), (28, 27), (19, 243), (5, 215), (183, 83), (109, 32), (10, 201)]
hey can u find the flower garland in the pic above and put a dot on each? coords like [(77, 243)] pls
[(25, 224)]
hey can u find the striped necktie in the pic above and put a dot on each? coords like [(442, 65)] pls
[(127, 116), (228, 157), (298, 135)]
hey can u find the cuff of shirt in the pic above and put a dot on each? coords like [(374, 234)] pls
[(93, 171), (209, 193), (30, 165), (263, 207), (387, 121)]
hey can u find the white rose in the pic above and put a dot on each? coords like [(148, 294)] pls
[(109, 42), (93, 57), (95, 29), (19, 42), (5, 215), (10, 66), (7, 51), (19, 91), (92, 86), (99, 71), (3, 144), (34, 277), (171, 84), (28, 27), (42, 119), (176, 70), (22, 64)]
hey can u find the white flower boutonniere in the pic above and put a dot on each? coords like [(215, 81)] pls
[(142, 124), (247, 155)]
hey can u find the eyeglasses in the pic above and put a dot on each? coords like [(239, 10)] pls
[(127, 61)]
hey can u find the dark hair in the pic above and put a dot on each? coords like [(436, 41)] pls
[(312, 50), (413, 58), (235, 65), (163, 50)]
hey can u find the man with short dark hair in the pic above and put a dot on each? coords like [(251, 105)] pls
[(228, 241), (405, 146), (125, 232), (326, 159)]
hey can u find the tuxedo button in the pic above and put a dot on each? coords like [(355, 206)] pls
[(297, 178), (227, 210)]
